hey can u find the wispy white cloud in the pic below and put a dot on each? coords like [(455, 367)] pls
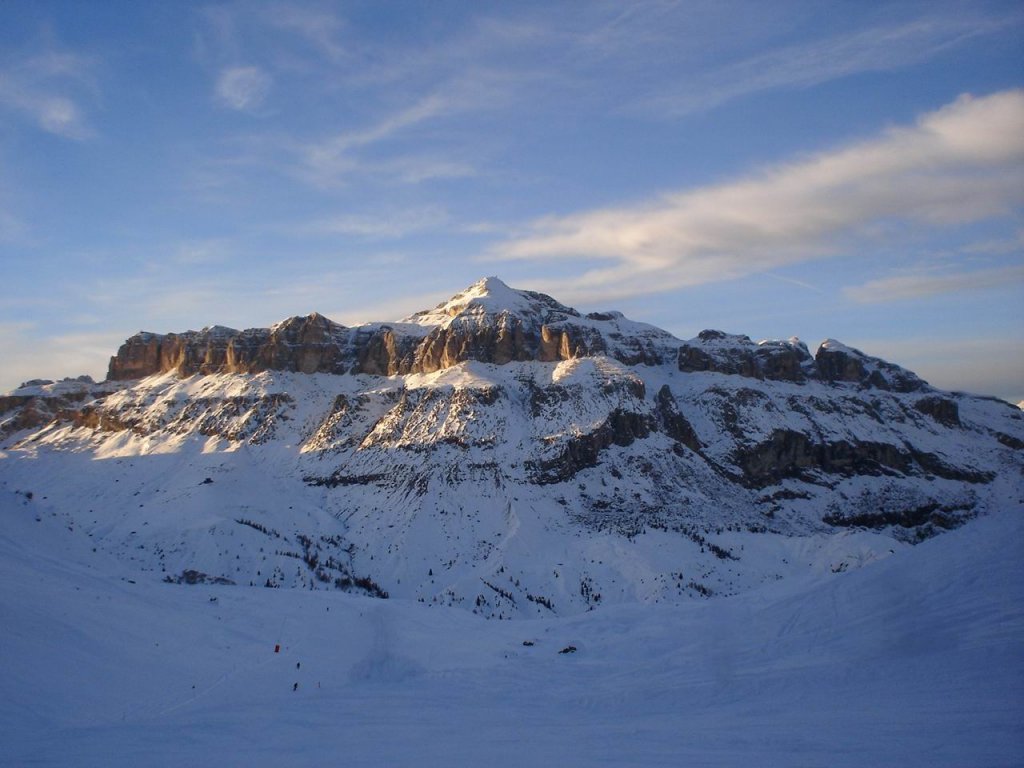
[(997, 246), (666, 59), (424, 109), (331, 161), (959, 164), (793, 281), (916, 286), (48, 90), (243, 88), (417, 169), (876, 49)]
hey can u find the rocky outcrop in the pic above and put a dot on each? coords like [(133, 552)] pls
[(137, 358), (621, 428), (672, 422), (252, 418), (145, 354), (311, 344), (775, 360), (383, 352), (18, 413), (507, 337), (562, 344), (788, 454), (721, 352), (499, 340), (95, 417), (932, 515), (39, 402), (837, 363), (943, 409)]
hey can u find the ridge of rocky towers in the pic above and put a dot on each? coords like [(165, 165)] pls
[(491, 323)]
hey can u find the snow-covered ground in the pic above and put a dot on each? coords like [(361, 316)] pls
[(912, 660)]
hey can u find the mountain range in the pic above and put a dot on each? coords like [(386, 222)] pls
[(503, 453)]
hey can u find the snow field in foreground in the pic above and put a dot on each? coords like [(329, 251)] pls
[(913, 660)]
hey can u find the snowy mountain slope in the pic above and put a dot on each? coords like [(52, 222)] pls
[(910, 661), (519, 460)]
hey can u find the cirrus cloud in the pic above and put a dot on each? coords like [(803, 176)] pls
[(243, 88), (916, 286), (962, 163), (48, 89), (873, 49)]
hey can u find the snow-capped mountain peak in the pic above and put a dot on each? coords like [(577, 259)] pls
[(490, 297)]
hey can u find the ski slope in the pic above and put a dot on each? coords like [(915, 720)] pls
[(912, 660)]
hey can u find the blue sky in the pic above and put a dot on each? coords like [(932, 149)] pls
[(845, 170)]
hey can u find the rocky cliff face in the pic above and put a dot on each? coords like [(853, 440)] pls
[(491, 323), (310, 344), (835, 362), (457, 444), (40, 402), (474, 325)]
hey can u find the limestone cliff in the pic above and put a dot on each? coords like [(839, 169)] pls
[(492, 323)]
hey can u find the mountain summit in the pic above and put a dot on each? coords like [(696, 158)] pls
[(491, 297), (506, 453)]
